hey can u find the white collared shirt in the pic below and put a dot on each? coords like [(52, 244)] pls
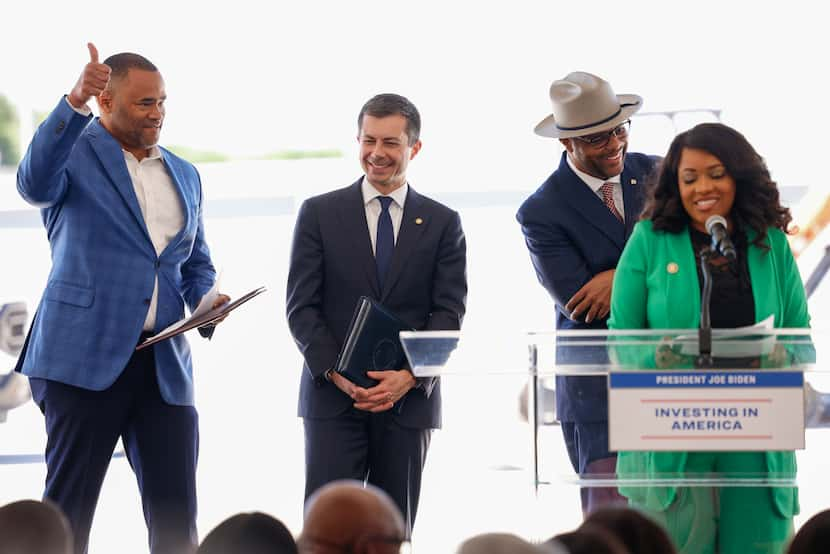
[(595, 184), (159, 202), (161, 207), (372, 207)]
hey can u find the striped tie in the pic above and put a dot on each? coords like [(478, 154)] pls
[(607, 190)]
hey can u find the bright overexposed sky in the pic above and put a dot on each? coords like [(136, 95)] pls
[(247, 77)]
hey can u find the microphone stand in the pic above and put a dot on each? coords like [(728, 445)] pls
[(704, 335)]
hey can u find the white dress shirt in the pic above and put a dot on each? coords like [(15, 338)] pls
[(595, 184), (372, 206), (161, 207)]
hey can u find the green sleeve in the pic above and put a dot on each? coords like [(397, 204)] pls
[(629, 293), (629, 296), (793, 302), (793, 296)]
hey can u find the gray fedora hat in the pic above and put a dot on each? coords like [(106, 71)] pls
[(584, 104)]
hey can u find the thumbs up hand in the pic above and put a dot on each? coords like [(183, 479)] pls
[(92, 82)]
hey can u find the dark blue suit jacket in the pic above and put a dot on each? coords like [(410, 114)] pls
[(332, 266), (572, 236)]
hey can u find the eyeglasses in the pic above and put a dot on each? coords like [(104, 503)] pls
[(599, 140), (314, 545)]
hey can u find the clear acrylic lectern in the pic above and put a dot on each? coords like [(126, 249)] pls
[(723, 454)]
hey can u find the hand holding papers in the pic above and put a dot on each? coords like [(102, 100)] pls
[(202, 315), (208, 301)]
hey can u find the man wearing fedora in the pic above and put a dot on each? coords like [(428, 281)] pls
[(575, 227)]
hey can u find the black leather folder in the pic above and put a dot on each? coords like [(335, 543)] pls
[(372, 343)]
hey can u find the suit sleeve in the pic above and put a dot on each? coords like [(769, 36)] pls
[(559, 267), (793, 311), (304, 295), (629, 300), (449, 288), (793, 296), (198, 273), (41, 177)]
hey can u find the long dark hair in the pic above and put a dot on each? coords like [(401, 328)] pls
[(757, 204)]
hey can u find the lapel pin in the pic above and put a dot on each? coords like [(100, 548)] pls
[(418, 221), (672, 268), (633, 181)]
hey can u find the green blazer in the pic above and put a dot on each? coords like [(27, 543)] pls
[(651, 292)]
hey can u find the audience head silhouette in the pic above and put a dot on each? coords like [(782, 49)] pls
[(813, 537), (634, 529), (590, 539), (500, 543), (249, 533), (346, 516), (33, 526)]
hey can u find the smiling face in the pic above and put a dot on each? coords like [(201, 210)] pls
[(706, 189), (385, 151), (601, 162), (132, 110)]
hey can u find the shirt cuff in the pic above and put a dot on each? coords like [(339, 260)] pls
[(83, 110)]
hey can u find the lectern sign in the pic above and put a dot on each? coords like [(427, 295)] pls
[(706, 410)]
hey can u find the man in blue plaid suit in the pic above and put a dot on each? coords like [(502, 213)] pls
[(124, 222)]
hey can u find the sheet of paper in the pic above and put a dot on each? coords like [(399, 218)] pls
[(209, 298), (735, 343)]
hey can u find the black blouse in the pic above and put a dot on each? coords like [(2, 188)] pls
[(732, 304)]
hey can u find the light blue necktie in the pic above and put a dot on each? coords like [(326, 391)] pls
[(385, 242)]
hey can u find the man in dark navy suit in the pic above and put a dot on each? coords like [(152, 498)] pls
[(377, 238), (575, 227)]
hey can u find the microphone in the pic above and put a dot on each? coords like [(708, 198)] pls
[(716, 226)]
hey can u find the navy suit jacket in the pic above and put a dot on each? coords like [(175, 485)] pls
[(104, 264), (572, 236), (332, 266)]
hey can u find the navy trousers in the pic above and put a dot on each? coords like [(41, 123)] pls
[(371, 448), (161, 442), (587, 444)]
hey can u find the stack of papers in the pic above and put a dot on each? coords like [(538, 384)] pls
[(203, 315), (741, 342)]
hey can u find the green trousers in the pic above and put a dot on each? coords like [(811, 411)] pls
[(725, 520)]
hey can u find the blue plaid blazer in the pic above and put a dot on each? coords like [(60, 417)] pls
[(104, 264)]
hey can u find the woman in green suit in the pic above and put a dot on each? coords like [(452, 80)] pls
[(711, 169)]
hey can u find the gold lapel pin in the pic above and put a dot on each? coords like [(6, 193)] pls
[(672, 267), (633, 181), (418, 221)]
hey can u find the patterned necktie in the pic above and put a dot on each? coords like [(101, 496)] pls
[(607, 190), (385, 242)]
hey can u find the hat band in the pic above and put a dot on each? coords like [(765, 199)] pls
[(618, 112)]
